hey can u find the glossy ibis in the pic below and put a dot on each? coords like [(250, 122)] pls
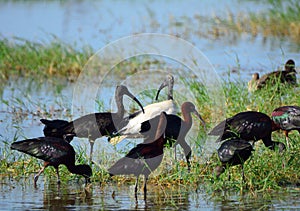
[(233, 152), (248, 125), (287, 76), (176, 130), (133, 121), (286, 118), (91, 126), (144, 158), (54, 151)]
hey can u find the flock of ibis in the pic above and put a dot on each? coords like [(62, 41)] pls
[(160, 126)]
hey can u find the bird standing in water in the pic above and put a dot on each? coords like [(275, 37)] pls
[(55, 152), (286, 118), (91, 126), (144, 158)]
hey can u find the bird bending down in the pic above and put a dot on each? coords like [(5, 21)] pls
[(233, 152), (54, 151), (144, 158), (91, 126), (288, 76), (249, 126), (286, 118), (132, 122)]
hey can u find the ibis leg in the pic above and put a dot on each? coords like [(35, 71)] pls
[(58, 177), (36, 177), (145, 186), (187, 151), (136, 187), (91, 152), (136, 184), (243, 173), (288, 142)]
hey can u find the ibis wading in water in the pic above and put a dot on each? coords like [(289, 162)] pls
[(233, 152), (249, 126), (144, 158), (132, 122), (91, 126), (286, 118), (54, 151)]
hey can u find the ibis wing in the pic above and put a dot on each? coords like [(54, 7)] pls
[(46, 148)]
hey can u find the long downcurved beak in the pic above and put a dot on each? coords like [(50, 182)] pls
[(163, 85), (169, 81), (201, 119), (126, 92), (138, 102)]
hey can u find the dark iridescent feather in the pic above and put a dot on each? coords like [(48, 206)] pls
[(249, 126), (287, 118), (144, 158), (54, 151), (235, 151), (47, 149)]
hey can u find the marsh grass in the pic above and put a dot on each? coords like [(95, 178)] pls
[(281, 19), (19, 57)]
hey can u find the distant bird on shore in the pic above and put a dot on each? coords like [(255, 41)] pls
[(91, 126), (286, 118), (55, 152), (248, 125), (233, 152), (144, 158), (131, 124), (288, 76)]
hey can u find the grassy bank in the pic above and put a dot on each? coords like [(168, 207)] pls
[(19, 57)]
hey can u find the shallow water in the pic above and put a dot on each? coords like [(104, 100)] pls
[(25, 101), (21, 195)]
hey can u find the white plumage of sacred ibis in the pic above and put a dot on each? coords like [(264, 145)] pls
[(132, 123)]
